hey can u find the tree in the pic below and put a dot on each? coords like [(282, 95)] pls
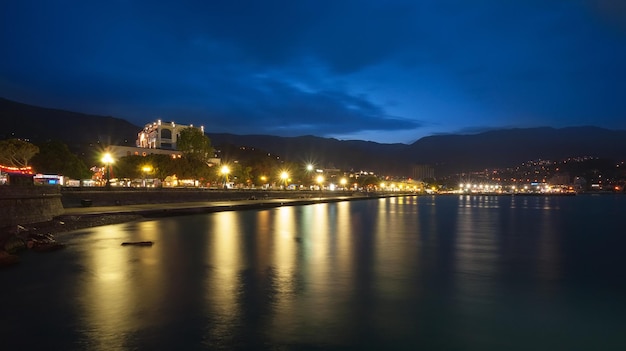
[(194, 144), (368, 181), (55, 157), (16, 153), (192, 168), (129, 166)]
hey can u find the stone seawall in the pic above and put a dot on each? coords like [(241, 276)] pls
[(28, 204), (128, 196)]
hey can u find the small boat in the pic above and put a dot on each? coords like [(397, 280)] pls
[(137, 243)]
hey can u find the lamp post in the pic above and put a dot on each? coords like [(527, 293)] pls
[(284, 176), (320, 181), (309, 169), (224, 171), (146, 170), (107, 159)]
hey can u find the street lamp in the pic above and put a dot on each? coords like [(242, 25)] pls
[(107, 159), (320, 181), (343, 183), (146, 170), (284, 176), (224, 171)]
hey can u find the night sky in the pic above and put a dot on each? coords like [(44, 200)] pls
[(386, 71)]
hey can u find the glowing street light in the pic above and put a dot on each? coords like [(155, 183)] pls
[(320, 181), (284, 176), (343, 183), (224, 171), (145, 169), (107, 159)]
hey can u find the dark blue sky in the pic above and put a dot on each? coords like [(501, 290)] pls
[(386, 71)]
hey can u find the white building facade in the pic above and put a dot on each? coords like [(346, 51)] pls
[(161, 135)]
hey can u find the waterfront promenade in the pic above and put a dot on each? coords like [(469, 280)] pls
[(195, 207)]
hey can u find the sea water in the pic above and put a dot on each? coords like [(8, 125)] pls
[(414, 272)]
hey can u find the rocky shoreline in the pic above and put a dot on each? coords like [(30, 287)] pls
[(40, 237)]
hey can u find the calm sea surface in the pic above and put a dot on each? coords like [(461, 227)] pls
[(427, 273)]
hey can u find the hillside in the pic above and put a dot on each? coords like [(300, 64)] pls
[(447, 153), (42, 124), (502, 148)]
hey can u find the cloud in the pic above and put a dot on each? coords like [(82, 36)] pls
[(321, 67), (275, 107)]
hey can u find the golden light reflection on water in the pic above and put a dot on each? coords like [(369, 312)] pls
[(113, 293), (394, 251), (222, 285), (316, 231), (290, 271), (284, 258), (321, 278), (342, 243)]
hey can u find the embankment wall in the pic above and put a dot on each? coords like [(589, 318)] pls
[(28, 204)]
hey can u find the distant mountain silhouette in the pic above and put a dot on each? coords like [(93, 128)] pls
[(40, 124), (446, 153), (509, 147)]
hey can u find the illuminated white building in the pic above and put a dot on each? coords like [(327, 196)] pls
[(161, 135), (157, 138)]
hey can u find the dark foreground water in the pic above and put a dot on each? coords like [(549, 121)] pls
[(414, 273)]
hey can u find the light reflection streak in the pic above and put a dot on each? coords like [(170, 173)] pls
[(222, 286), (392, 252), (284, 250), (113, 297), (342, 237), (320, 266), (284, 260), (476, 251), (549, 258)]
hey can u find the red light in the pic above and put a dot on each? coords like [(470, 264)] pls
[(22, 170)]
